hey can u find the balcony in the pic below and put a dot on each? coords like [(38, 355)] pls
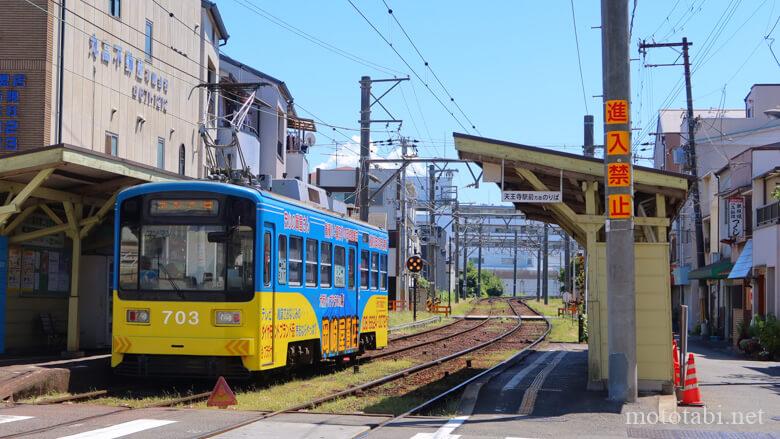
[(769, 214)]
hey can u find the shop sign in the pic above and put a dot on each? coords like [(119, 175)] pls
[(152, 86), (11, 85), (736, 217)]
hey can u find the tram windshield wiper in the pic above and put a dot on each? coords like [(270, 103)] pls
[(170, 280)]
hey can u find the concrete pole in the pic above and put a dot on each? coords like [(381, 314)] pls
[(479, 264), (449, 273), (538, 273), (621, 299), (545, 264), (365, 142), (73, 298), (567, 261), (433, 237), (456, 232), (401, 290), (514, 270), (588, 149), (464, 288)]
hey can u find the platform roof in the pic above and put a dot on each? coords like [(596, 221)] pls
[(530, 168)]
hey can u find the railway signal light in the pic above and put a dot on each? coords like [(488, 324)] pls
[(414, 264)]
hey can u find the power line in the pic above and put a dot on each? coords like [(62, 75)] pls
[(312, 39), (408, 65), (428, 66), (579, 58)]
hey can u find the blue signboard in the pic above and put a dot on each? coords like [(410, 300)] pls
[(11, 85)]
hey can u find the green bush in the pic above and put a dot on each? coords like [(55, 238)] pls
[(768, 332)]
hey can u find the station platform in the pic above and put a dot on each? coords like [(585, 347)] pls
[(30, 376)]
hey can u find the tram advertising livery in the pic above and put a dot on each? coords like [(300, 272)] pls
[(219, 279)]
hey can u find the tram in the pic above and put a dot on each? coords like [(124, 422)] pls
[(219, 279)]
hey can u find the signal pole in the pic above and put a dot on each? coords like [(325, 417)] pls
[(618, 168)]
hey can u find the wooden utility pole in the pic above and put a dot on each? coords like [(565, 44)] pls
[(619, 199)]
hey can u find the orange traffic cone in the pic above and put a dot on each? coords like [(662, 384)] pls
[(690, 392)]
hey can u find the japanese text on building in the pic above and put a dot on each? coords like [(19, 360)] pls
[(11, 85)]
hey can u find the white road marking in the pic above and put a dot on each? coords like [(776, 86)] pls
[(515, 381), (529, 398), (445, 431), (9, 418), (120, 430)]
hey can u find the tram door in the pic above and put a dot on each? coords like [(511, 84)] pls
[(268, 294)]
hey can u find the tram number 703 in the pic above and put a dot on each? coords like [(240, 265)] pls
[(181, 317)]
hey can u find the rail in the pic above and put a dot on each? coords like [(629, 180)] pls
[(434, 319)]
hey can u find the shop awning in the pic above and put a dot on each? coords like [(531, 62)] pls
[(716, 270), (744, 263)]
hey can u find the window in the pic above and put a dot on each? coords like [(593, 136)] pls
[(340, 268), (351, 270), (161, 153), (374, 271), (182, 159), (383, 272), (326, 259), (112, 144), (115, 8), (267, 258), (311, 263), (281, 274), (364, 270), (296, 260), (128, 257), (241, 259), (280, 135), (148, 40)]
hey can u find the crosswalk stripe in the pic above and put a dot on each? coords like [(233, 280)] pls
[(445, 431), (10, 418), (120, 430)]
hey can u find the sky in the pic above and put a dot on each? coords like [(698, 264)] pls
[(510, 66)]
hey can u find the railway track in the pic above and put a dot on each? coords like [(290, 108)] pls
[(430, 337)]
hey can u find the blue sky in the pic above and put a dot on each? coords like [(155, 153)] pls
[(510, 65)]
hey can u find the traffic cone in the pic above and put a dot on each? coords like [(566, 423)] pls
[(690, 392)]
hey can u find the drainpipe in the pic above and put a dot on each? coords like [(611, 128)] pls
[(61, 71)]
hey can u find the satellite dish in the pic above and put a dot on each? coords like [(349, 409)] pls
[(310, 139)]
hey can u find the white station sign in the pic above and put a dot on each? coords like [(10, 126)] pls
[(532, 196)]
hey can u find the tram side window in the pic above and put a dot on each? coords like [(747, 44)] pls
[(374, 270), (364, 270), (325, 265), (383, 272), (128, 256), (282, 272), (296, 260), (339, 268), (267, 258), (241, 259), (351, 270), (311, 263)]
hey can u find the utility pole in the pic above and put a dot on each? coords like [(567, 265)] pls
[(365, 133), (449, 273), (402, 239), (365, 142), (691, 152), (538, 273), (456, 232), (479, 264), (567, 266), (465, 285), (619, 199), (432, 235), (545, 266), (514, 271), (588, 150)]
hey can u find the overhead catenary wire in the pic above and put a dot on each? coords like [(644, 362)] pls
[(428, 66), (579, 57), (414, 72)]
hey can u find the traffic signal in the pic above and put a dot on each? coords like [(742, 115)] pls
[(414, 264)]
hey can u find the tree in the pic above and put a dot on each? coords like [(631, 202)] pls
[(491, 284)]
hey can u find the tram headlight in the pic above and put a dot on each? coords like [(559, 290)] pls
[(138, 316), (227, 317)]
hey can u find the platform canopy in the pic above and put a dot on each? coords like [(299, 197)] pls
[(658, 194)]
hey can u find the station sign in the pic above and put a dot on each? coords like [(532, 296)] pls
[(532, 196)]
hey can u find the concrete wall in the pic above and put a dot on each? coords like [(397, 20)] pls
[(653, 315)]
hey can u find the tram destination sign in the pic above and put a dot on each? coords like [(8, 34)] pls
[(532, 196)]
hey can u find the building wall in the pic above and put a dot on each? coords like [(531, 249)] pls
[(101, 93)]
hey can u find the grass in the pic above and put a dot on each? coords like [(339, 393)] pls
[(41, 398), (400, 317), (564, 329)]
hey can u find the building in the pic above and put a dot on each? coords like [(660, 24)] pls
[(97, 96), (721, 137)]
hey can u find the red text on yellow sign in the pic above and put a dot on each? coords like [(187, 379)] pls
[(617, 111), (621, 206), (617, 143), (618, 175)]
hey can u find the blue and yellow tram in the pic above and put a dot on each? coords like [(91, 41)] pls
[(220, 279)]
